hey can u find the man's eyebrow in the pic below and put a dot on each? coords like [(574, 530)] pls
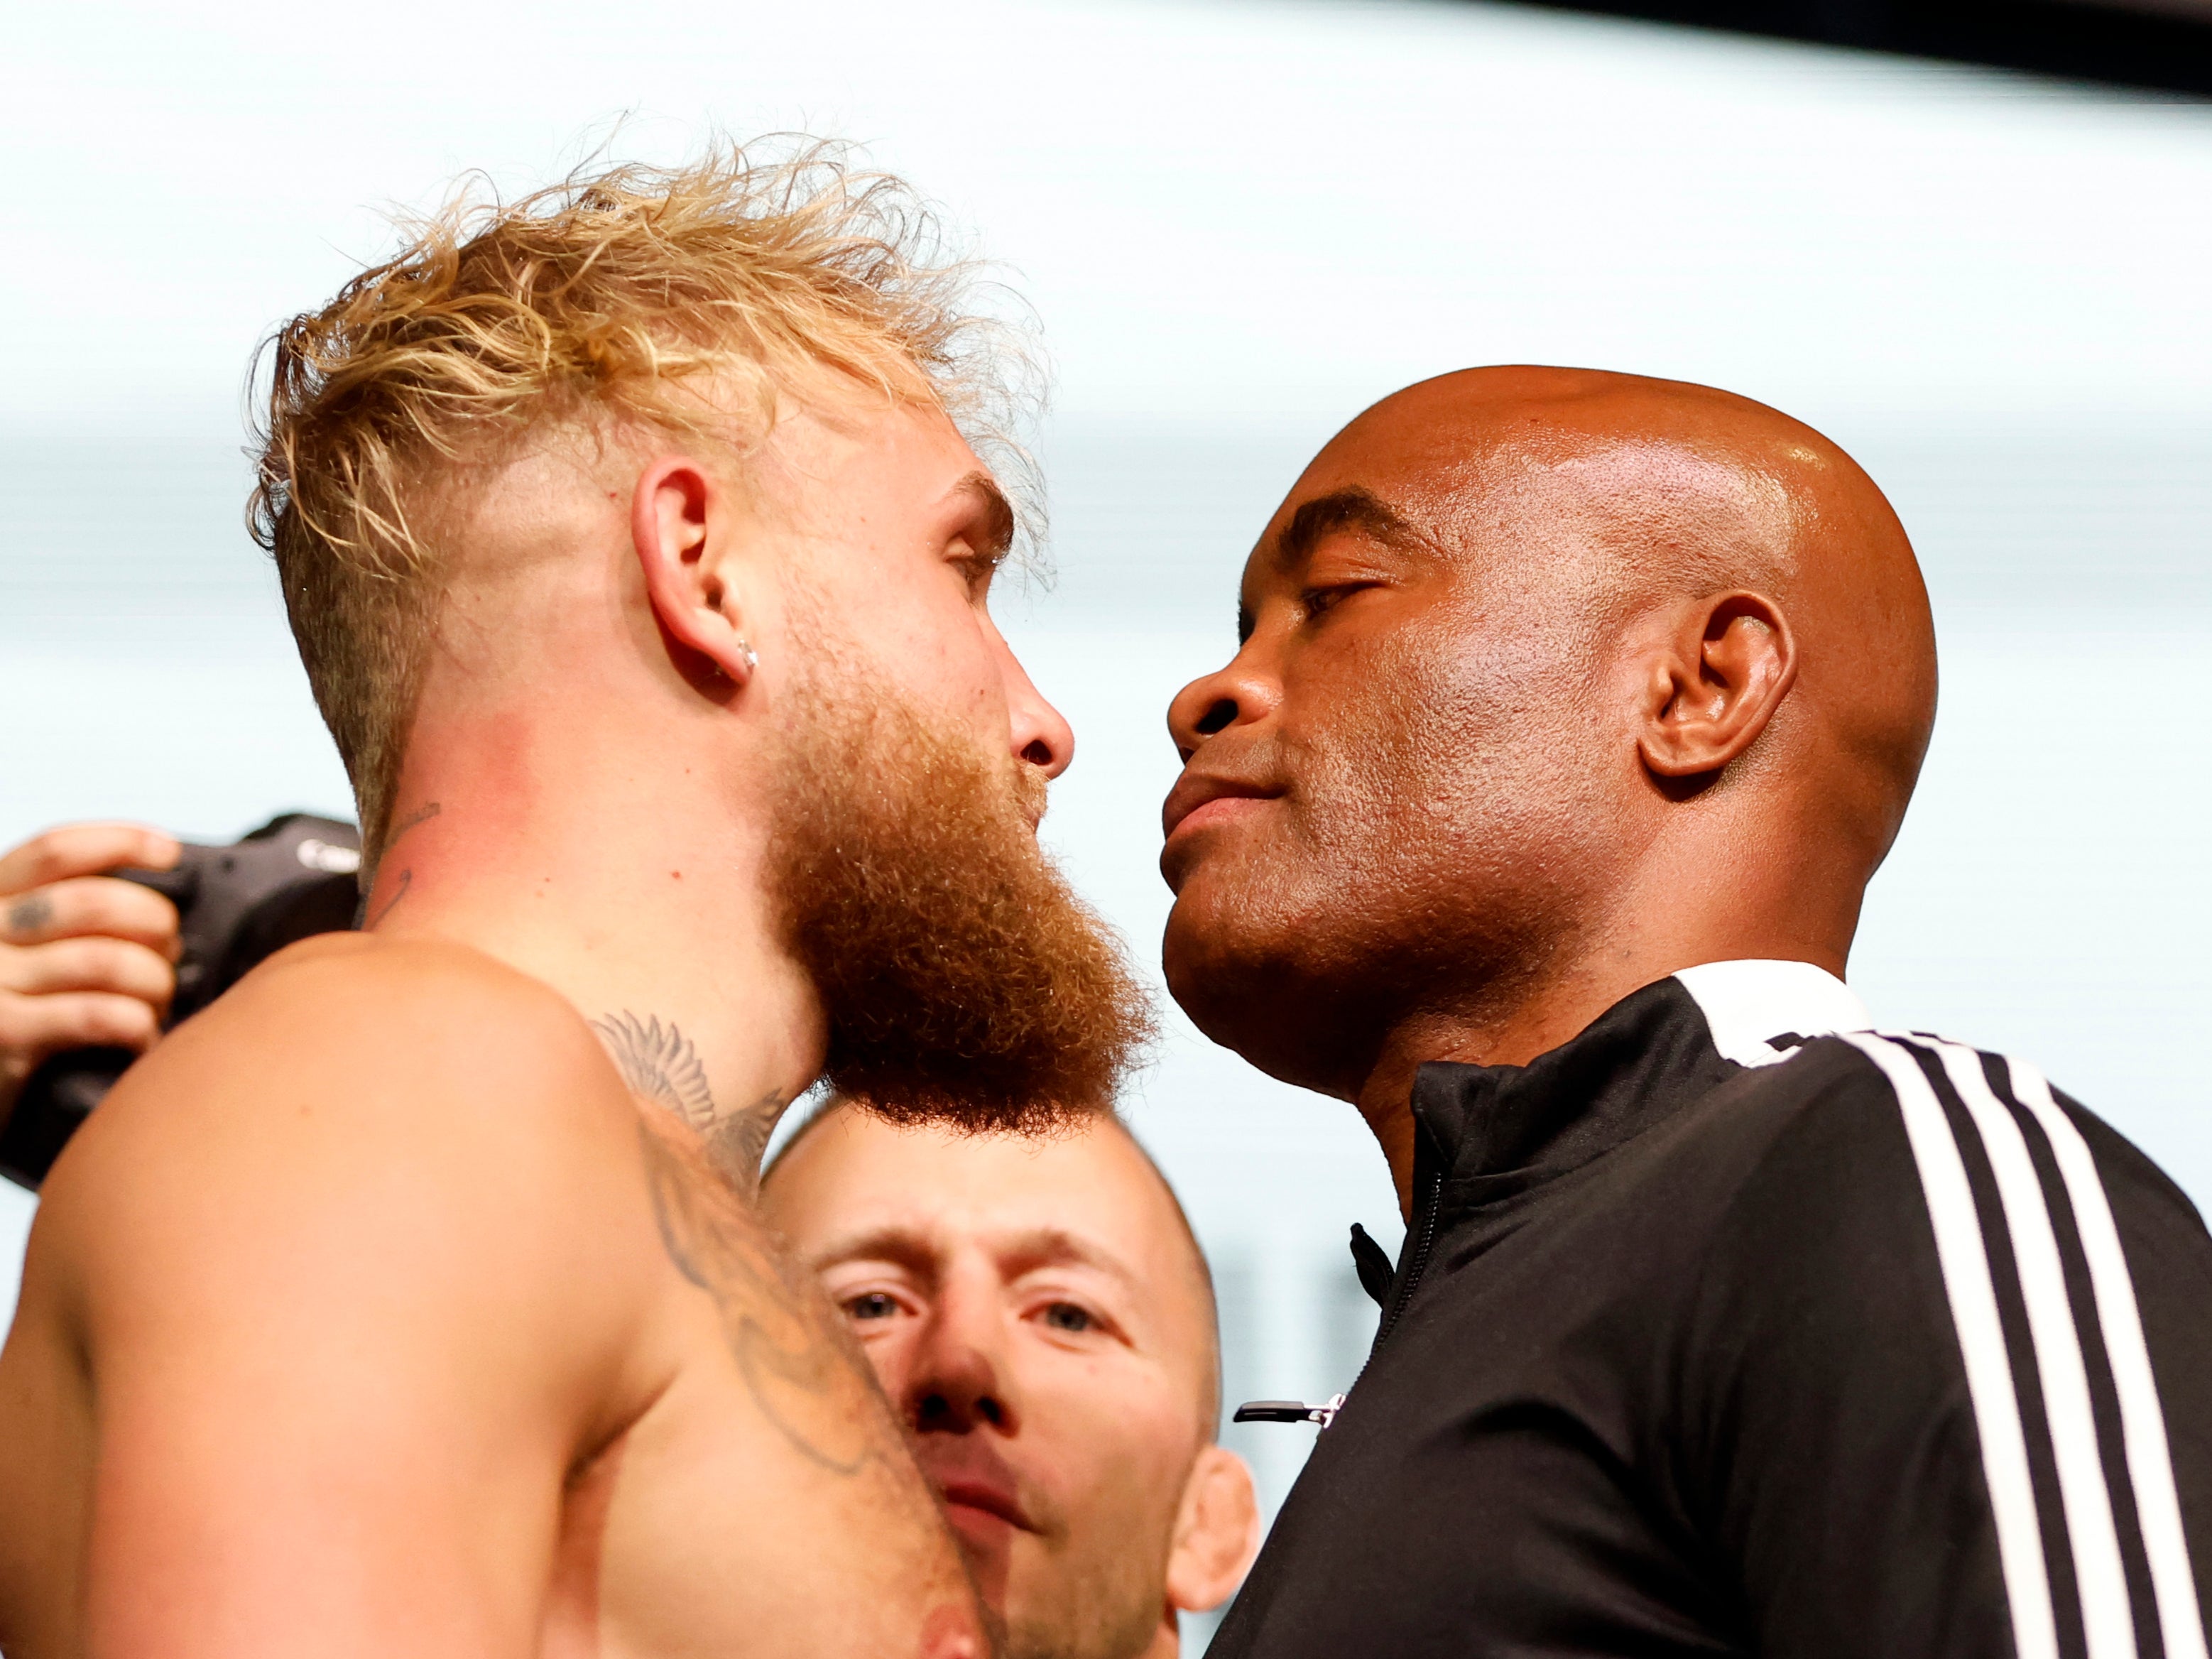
[(995, 512), (1052, 1247), (1353, 508), (901, 1246), (1350, 508), (1023, 1252)]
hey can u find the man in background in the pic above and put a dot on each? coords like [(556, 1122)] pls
[(1043, 1319)]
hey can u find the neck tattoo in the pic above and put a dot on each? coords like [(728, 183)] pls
[(658, 1063)]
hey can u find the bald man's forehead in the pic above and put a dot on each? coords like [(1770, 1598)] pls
[(1665, 486), (1562, 477), (1091, 1181)]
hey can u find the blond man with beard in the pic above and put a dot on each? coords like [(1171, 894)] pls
[(412, 1300)]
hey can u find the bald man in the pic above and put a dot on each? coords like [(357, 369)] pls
[(1571, 714), (1042, 1321)]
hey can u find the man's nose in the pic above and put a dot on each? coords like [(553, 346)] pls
[(959, 1380), (1042, 735), (1231, 695)]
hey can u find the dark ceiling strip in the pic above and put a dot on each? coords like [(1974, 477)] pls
[(2158, 45)]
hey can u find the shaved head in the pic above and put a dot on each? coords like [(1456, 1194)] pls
[(1042, 1320), (1648, 489), (1550, 681), (1197, 1272)]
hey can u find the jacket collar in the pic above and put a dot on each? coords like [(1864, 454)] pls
[(1503, 1128)]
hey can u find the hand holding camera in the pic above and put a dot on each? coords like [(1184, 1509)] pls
[(87, 960), (110, 933)]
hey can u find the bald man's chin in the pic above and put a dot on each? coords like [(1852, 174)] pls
[(987, 1542), (1219, 967)]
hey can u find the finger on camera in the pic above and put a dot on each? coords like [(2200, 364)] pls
[(97, 964), (84, 849), (30, 1027), (89, 905)]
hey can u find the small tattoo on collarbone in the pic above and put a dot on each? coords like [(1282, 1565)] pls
[(659, 1063), (30, 913), (786, 1344)]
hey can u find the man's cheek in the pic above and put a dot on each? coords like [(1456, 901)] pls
[(889, 1355), (947, 667), (1116, 1434)]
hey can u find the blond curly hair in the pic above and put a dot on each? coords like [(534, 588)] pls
[(773, 268)]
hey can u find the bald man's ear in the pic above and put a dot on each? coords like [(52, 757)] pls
[(679, 527), (1714, 678), (1217, 1533)]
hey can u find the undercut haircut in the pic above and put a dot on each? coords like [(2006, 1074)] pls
[(605, 301)]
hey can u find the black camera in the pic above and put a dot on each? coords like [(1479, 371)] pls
[(293, 876)]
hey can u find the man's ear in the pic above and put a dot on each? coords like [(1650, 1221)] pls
[(1217, 1533), (1714, 683), (679, 524)]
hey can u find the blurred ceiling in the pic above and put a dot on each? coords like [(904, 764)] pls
[(2163, 45)]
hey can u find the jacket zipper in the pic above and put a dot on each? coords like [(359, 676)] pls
[(1416, 1263)]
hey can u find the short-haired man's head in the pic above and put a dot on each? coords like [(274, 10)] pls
[(1042, 1321), (612, 299), (1192, 1254)]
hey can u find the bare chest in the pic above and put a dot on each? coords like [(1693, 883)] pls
[(763, 1503)]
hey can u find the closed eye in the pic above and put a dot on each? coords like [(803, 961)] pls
[(978, 569), (1319, 601)]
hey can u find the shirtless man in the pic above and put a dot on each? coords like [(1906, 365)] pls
[(1038, 1310), (411, 1301)]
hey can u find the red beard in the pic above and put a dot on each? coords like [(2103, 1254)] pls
[(964, 980)]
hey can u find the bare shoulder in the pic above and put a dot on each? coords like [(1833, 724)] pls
[(411, 1111), (398, 1003), (353, 1036)]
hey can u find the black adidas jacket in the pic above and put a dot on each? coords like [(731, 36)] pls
[(1730, 1328)]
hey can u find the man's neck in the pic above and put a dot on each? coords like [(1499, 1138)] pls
[(1550, 1006), (639, 898), (1485, 1034), (1167, 1640)]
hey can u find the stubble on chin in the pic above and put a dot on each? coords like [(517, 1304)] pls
[(1108, 1604)]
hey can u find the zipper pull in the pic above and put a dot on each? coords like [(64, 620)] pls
[(1289, 1411)]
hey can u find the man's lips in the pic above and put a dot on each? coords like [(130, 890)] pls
[(988, 1497), (1199, 801), (971, 1474)]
